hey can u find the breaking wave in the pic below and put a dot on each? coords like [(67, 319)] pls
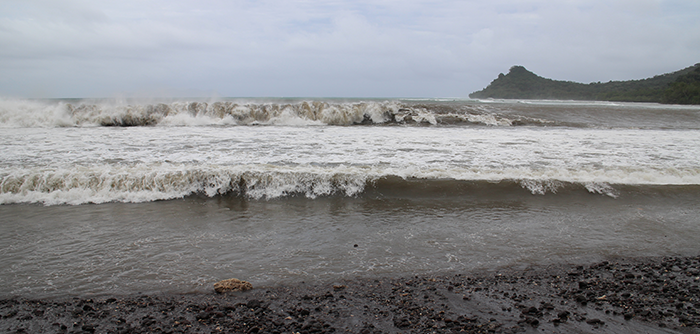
[(142, 183), (151, 182), (67, 113)]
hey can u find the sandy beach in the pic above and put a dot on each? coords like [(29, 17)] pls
[(649, 295)]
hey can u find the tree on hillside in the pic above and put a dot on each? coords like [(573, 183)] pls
[(685, 90)]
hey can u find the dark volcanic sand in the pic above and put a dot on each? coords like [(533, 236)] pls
[(657, 295)]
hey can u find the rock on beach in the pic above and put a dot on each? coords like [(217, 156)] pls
[(232, 284)]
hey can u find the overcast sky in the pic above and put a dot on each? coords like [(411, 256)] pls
[(334, 48)]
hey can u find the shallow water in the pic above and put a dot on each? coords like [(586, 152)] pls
[(186, 245)]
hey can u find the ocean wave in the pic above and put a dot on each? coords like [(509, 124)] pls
[(144, 182), (67, 113)]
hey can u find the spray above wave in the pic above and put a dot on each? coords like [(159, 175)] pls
[(25, 113), (151, 182)]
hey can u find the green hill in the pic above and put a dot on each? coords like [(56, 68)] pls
[(681, 87)]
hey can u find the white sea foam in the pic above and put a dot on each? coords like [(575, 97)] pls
[(489, 119), (602, 188), (541, 187), (28, 113)]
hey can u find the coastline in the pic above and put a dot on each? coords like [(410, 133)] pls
[(651, 295)]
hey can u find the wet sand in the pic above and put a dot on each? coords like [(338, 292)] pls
[(650, 295)]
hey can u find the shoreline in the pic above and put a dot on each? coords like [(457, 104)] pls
[(651, 295)]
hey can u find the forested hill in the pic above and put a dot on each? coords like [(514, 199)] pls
[(682, 87)]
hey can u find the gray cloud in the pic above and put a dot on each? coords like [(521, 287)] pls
[(332, 48)]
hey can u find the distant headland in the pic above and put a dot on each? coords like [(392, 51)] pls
[(680, 87)]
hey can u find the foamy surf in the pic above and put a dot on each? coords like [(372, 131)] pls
[(65, 113), (143, 183)]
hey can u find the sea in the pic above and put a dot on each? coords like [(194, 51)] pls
[(128, 196)]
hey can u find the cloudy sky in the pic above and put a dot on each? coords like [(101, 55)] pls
[(333, 48)]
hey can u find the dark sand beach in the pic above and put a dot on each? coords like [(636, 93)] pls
[(649, 295)]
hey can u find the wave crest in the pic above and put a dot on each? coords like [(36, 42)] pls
[(151, 182), (36, 113), (141, 183)]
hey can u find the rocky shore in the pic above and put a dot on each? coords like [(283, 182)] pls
[(652, 295)]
